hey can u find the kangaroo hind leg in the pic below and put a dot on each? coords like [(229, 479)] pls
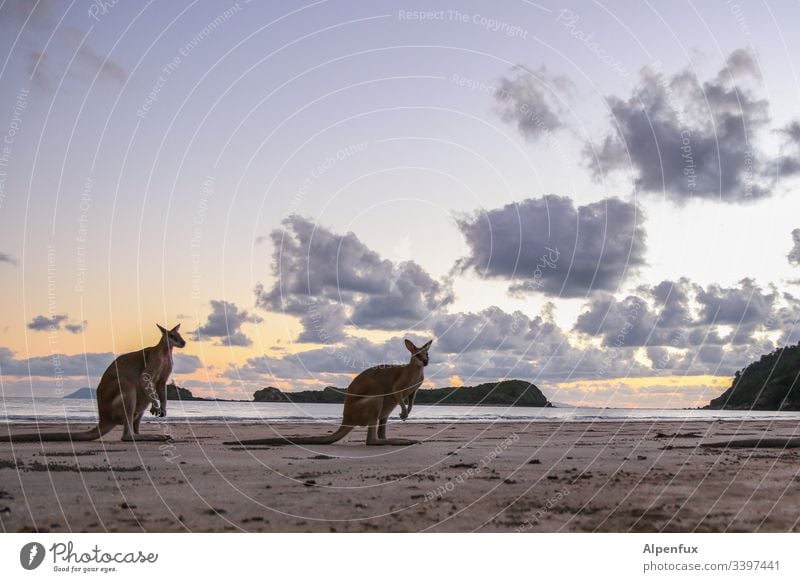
[(373, 439), (137, 421), (132, 417)]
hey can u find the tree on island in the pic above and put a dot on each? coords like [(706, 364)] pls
[(503, 393), (771, 383)]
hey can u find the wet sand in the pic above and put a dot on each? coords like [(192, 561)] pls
[(506, 477)]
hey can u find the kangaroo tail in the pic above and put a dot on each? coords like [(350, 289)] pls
[(89, 435), (327, 439), (770, 443)]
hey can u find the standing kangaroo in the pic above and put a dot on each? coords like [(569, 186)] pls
[(369, 401), (129, 385)]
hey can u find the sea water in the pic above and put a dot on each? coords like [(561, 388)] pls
[(21, 410)]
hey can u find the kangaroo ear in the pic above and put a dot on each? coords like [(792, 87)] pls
[(161, 328), (410, 346), (427, 345), (176, 328)]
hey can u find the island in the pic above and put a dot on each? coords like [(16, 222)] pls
[(771, 383), (174, 392), (503, 393), (86, 393)]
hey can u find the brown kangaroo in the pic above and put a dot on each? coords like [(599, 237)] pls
[(369, 401), (129, 385)]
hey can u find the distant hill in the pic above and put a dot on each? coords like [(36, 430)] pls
[(505, 393), (329, 395), (771, 383), (83, 393), (173, 393)]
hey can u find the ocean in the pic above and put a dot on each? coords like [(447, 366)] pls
[(29, 410)]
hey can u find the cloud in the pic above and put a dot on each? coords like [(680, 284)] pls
[(54, 323), (411, 297), (686, 139), (91, 364), (323, 323), (76, 327), (493, 344), (185, 363), (55, 366), (541, 354), (225, 322), (740, 306), (789, 160), (690, 329), (330, 364), (547, 245), (54, 49), (330, 281), (794, 254), (47, 323), (621, 323), (787, 320), (4, 258), (529, 99), (496, 330), (477, 347), (674, 328)]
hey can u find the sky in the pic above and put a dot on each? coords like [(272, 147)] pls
[(597, 197)]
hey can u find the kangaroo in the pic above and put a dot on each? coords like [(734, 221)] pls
[(129, 385), (370, 399)]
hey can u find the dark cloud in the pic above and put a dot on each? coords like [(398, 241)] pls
[(789, 160), (684, 138), (4, 258), (628, 322), (313, 263), (225, 322), (47, 323), (530, 100), (739, 306), (76, 327), (323, 323), (792, 131), (672, 300), (331, 280), (411, 297), (497, 330), (547, 245), (787, 320), (54, 323), (794, 254), (685, 316)]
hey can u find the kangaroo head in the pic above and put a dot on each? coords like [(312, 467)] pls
[(172, 336), (419, 354)]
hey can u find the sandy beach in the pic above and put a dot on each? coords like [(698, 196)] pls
[(503, 477)]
